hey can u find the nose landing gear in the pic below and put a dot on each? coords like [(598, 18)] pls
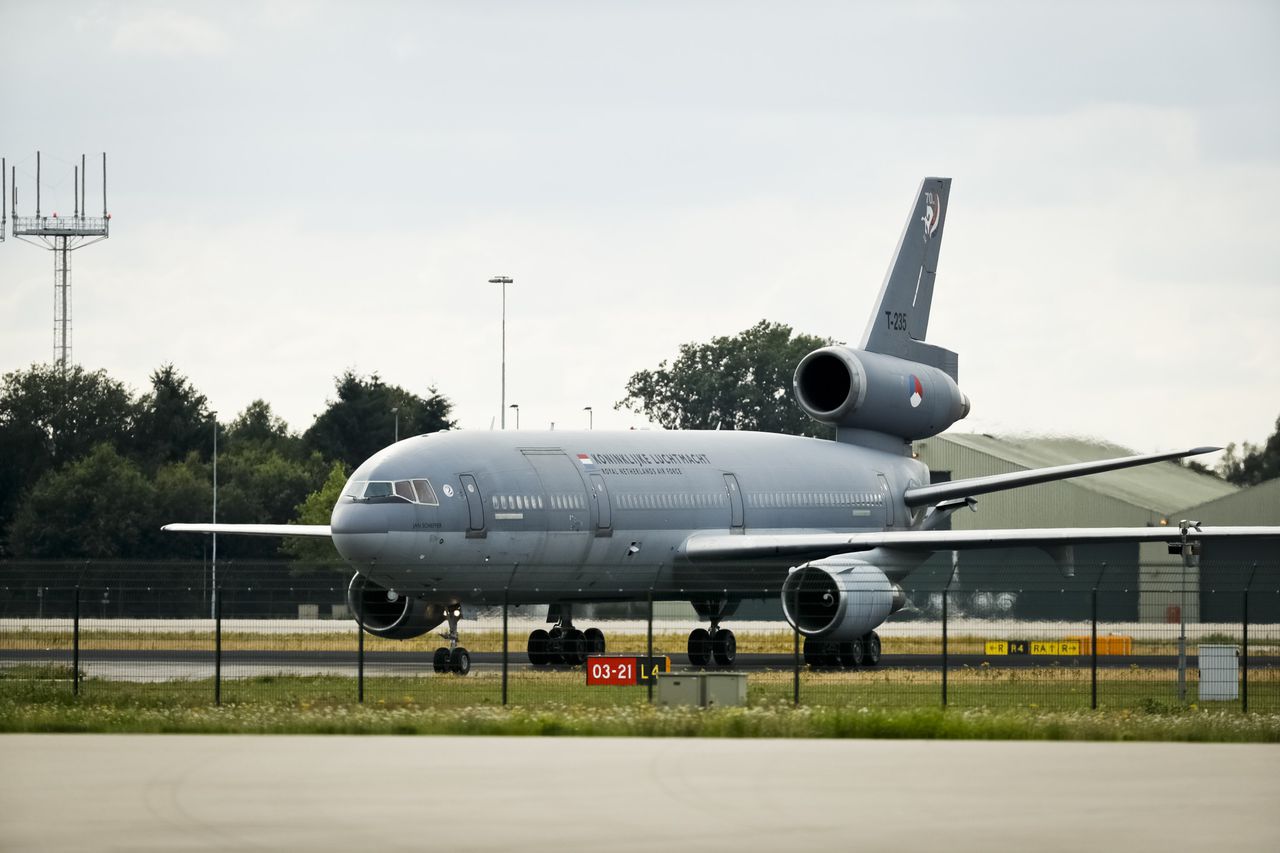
[(455, 658)]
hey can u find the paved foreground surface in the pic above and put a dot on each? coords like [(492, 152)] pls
[(158, 792)]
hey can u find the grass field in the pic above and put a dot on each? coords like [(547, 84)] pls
[(1030, 689)]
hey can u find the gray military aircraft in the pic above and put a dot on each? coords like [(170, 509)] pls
[(436, 522)]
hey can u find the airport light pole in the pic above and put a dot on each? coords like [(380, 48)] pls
[(591, 417), (504, 281), (213, 598), (395, 410), (516, 406)]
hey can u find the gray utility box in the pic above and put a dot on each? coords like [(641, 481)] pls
[(702, 689), (1219, 672)]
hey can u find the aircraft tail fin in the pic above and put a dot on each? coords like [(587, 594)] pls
[(897, 326)]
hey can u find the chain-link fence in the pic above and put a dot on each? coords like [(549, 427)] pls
[(1150, 637)]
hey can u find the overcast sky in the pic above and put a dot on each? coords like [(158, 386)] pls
[(301, 188)]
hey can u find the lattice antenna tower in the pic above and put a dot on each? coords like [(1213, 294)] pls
[(63, 235)]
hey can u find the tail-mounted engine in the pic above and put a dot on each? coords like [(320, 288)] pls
[(386, 613), (839, 599), (866, 390)]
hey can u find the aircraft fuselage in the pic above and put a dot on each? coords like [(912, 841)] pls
[(543, 516)]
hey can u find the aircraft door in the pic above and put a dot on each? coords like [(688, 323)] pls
[(735, 503), (563, 490), (600, 496), (475, 505)]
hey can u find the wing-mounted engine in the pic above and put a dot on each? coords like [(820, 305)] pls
[(882, 393), (386, 613), (839, 598)]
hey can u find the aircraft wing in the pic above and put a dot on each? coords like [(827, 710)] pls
[(712, 547), (253, 529), (921, 495)]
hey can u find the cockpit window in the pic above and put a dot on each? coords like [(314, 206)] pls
[(391, 491), (377, 489), (426, 494)]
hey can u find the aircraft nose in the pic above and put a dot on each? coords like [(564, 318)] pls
[(359, 532)]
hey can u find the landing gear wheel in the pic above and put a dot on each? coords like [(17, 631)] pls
[(538, 640), (724, 647), (595, 641), (699, 647), (460, 661), (821, 653), (440, 663), (574, 647), (852, 654), (872, 643)]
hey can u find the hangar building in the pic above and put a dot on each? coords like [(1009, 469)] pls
[(1143, 581)]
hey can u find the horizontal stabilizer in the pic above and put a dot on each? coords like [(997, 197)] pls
[(315, 530), (924, 495), (811, 546)]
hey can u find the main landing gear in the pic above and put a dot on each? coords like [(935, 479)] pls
[(714, 644), (455, 658), (864, 651), (717, 644), (564, 644)]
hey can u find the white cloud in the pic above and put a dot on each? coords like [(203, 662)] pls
[(169, 33)]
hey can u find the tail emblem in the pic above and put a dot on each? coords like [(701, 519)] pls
[(916, 389), (932, 213)]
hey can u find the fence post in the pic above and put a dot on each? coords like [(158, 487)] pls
[(1093, 641), (946, 595), (1244, 654), (505, 661), (75, 647), (360, 646), (217, 648), (1093, 651), (649, 647), (795, 664)]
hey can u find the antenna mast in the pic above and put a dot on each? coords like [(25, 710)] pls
[(63, 235)]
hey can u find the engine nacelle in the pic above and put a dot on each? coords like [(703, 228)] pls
[(839, 599), (386, 613), (866, 390)]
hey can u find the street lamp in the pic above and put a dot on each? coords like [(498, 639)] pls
[(395, 410), (591, 417), (516, 406), (504, 281), (213, 600)]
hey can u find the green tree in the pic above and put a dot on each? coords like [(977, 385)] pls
[(173, 420), (100, 506), (741, 382), (184, 492), (316, 509), (49, 417), (258, 425), (258, 485), (1251, 464), (360, 422)]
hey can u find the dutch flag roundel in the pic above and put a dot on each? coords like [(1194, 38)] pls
[(915, 389)]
